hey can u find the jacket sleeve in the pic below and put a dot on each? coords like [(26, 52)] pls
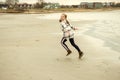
[(74, 28), (64, 26)]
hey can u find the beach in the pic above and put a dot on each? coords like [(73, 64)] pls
[(30, 47)]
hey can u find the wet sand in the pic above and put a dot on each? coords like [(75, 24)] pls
[(30, 49)]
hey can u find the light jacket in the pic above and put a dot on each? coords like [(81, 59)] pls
[(67, 29)]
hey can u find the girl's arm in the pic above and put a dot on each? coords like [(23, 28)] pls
[(74, 28)]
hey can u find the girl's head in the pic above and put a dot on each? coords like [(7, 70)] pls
[(63, 17)]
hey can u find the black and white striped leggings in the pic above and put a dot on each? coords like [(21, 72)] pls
[(72, 43)]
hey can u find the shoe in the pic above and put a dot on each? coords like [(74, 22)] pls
[(81, 54), (69, 52)]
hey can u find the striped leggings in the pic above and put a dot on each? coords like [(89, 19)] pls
[(72, 43)]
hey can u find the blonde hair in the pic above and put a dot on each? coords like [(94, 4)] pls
[(65, 17)]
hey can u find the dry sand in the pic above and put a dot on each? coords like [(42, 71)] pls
[(30, 49)]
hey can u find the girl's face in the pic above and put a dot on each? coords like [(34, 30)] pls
[(63, 17)]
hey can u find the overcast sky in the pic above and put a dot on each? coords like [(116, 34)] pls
[(69, 2)]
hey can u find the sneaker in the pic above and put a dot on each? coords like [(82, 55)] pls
[(80, 55), (69, 52)]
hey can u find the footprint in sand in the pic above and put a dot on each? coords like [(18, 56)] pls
[(17, 45), (64, 59), (36, 40), (119, 58)]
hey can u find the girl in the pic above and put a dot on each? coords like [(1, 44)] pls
[(68, 33)]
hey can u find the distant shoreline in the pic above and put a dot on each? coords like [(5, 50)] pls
[(44, 11)]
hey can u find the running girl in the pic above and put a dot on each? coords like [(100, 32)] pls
[(68, 34)]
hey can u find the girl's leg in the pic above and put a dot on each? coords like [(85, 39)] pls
[(65, 46), (76, 47), (63, 43)]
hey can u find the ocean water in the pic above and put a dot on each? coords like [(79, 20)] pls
[(105, 25), (107, 28)]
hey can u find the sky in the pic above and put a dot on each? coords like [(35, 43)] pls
[(65, 2)]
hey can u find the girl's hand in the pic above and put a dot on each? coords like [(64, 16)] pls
[(76, 28)]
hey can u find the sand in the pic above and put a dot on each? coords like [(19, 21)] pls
[(30, 49)]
